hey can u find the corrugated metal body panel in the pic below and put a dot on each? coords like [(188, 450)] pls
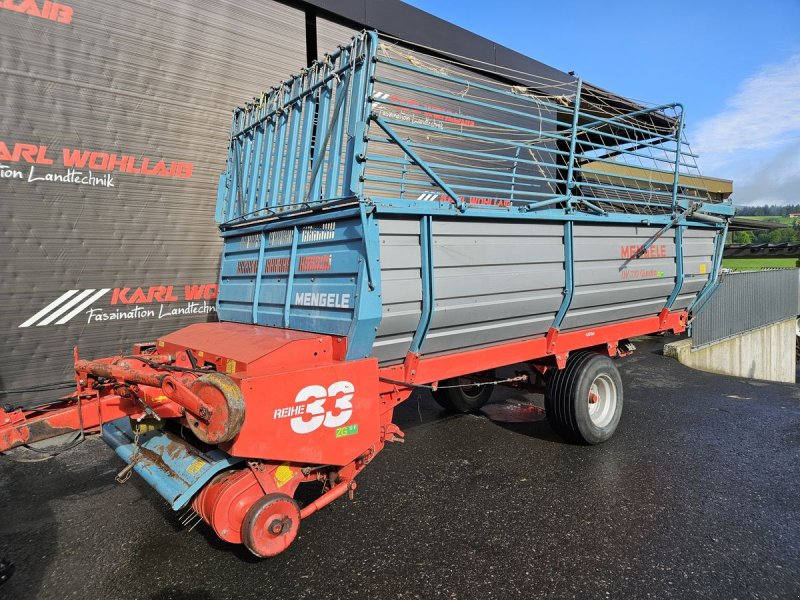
[(493, 281), (746, 301), (136, 82), (401, 282), (496, 281), (698, 248), (612, 286)]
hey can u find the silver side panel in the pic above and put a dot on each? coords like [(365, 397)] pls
[(401, 287), (493, 282), (611, 287), (499, 281), (698, 249)]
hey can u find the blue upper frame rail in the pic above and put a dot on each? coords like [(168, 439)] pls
[(404, 131)]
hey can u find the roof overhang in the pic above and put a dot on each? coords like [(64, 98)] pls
[(607, 172), (744, 224)]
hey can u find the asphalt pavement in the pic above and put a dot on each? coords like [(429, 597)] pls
[(696, 496)]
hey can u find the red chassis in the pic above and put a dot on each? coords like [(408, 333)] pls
[(286, 401)]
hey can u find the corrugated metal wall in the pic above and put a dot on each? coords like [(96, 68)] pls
[(115, 89), (746, 301)]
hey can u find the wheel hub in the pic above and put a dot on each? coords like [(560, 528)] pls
[(278, 525), (602, 400)]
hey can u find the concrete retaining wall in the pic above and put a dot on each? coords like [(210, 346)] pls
[(765, 353)]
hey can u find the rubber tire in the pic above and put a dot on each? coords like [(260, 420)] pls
[(565, 400), (250, 535), (457, 400)]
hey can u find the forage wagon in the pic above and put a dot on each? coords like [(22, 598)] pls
[(395, 219)]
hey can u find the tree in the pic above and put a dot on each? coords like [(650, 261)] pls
[(780, 236)]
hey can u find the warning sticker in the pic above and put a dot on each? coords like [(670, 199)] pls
[(283, 475), (196, 466)]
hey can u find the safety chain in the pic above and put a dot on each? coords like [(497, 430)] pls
[(126, 472), (445, 387)]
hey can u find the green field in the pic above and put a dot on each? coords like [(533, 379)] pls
[(749, 264), (783, 220)]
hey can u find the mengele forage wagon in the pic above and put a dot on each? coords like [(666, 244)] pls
[(395, 219)]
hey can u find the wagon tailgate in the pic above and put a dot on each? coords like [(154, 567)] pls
[(300, 277)]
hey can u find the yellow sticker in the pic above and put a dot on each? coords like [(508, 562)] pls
[(283, 475), (160, 344), (230, 366), (196, 466), (702, 267), (201, 354), (160, 399)]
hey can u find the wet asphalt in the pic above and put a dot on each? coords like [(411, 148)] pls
[(696, 496)]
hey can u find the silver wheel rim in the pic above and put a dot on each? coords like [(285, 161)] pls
[(797, 327), (602, 400)]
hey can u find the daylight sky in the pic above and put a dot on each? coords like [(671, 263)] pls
[(734, 65)]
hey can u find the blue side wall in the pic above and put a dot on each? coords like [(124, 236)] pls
[(318, 274)]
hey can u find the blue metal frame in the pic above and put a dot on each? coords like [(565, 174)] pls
[(679, 274), (713, 279), (262, 244), (428, 295), (396, 206), (419, 162), (363, 73), (369, 307), (570, 183), (291, 150), (290, 277), (569, 275)]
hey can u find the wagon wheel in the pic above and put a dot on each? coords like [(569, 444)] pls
[(583, 401), (466, 398), (271, 525)]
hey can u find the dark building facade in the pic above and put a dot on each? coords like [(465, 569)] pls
[(114, 123)]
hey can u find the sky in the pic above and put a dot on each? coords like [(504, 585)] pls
[(734, 65)]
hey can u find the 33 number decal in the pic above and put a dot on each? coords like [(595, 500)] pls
[(314, 399)]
